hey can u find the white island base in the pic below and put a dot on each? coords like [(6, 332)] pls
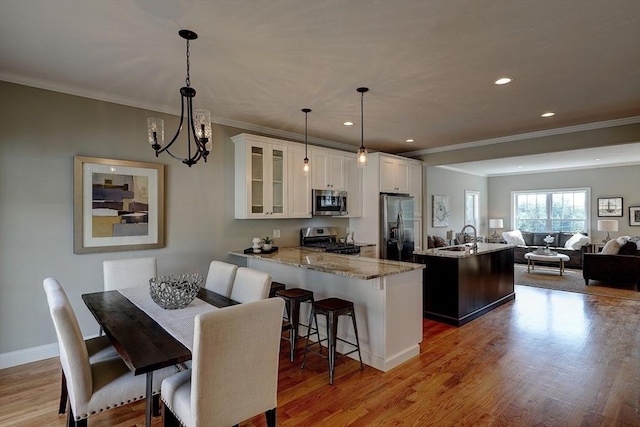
[(388, 309)]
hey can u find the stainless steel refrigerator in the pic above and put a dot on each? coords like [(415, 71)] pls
[(397, 227)]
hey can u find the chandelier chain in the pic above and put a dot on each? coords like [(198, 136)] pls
[(188, 79)]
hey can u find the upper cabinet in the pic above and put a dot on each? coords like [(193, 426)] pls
[(394, 175), (415, 187), (354, 186), (298, 186), (260, 178), (327, 170)]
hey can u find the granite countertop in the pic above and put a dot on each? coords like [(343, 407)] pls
[(343, 265), (482, 249)]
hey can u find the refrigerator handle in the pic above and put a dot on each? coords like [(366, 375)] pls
[(400, 223)]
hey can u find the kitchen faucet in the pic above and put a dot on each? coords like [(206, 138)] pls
[(475, 235)]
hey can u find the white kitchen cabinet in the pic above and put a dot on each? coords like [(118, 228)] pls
[(298, 187), (394, 175), (415, 187), (260, 178), (417, 238), (354, 187), (327, 170)]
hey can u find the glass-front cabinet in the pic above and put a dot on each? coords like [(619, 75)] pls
[(260, 179)]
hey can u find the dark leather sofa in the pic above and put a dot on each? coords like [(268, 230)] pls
[(620, 268), (534, 241)]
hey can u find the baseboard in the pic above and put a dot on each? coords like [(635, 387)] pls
[(28, 355)]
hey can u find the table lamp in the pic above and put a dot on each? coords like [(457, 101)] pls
[(607, 225), (496, 224)]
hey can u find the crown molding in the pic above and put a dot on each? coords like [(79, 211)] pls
[(530, 135)]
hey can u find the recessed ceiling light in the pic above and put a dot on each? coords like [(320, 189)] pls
[(348, 123), (549, 114), (411, 140), (519, 167), (597, 159), (503, 81)]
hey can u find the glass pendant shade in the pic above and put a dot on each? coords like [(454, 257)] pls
[(155, 129), (202, 123), (305, 168), (362, 157)]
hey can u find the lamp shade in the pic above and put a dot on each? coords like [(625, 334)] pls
[(496, 223), (607, 225)]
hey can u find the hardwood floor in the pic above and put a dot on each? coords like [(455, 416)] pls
[(548, 358)]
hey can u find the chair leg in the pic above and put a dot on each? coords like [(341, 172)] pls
[(63, 395), (312, 315), (355, 329), (71, 422), (271, 417), (155, 405), (332, 333)]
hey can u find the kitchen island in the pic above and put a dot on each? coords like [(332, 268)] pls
[(387, 296), (460, 285)]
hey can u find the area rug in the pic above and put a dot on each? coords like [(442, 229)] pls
[(571, 281)]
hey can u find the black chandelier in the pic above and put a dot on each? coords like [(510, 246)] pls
[(362, 152), (199, 125)]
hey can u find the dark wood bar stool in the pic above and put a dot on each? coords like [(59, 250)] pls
[(292, 299), (332, 308), (275, 287)]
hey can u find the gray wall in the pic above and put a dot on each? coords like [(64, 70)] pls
[(445, 182), (623, 181), (40, 132)]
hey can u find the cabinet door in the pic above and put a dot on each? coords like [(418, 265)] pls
[(327, 170), (417, 230), (394, 175), (336, 172), (267, 175), (278, 192), (415, 187), (354, 187), (402, 176), (298, 188)]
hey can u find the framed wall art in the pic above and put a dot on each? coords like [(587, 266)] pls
[(610, 206), (440, 211), (634, 215), (118, 205)]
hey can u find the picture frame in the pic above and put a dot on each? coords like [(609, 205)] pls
[(634, 215), (440, 211), (610, 206), (118, 205)]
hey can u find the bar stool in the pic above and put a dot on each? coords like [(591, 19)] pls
[(332, 308), (292, 299), (275, 287)]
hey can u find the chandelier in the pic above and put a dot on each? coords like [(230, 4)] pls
[(198, 126)]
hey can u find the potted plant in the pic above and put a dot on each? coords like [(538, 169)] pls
[(267, 243)]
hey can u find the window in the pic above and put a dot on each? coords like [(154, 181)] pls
[(551, 210), (472, 208)]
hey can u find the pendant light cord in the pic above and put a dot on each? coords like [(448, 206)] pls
[(188, 79)]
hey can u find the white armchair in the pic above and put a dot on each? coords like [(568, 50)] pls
[(220, 277), (250, 285), (93, 387), (235, 368)]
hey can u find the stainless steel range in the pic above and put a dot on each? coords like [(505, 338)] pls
[(326, 239)]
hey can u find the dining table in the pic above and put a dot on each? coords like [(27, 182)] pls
[(146, 337)]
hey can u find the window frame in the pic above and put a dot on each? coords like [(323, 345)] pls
[(549, 193)]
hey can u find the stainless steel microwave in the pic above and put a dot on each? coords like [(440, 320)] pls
[(329, 202)]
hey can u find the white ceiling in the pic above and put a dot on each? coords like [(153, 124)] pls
[(430, 65)]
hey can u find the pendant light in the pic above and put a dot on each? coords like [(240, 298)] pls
[(198, 126), (305, 168), (362, 152)]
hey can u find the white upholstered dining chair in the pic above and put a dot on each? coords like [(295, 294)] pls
[(127, 273), (220, 277), (92, 387), (250, 285), (234, 375)]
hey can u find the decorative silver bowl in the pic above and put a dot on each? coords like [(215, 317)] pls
[(175, 291)]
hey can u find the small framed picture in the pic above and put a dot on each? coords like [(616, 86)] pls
[(610, 206), (634, 215)]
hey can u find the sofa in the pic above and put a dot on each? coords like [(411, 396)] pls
[(574, 245), (617, 263)]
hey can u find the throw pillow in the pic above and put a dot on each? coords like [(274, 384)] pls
[(612, 247), (576, 241), (636, 239), (513, 237), (628, 248), (439, 242)]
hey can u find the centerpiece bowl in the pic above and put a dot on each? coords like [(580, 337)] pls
[(175, 291)]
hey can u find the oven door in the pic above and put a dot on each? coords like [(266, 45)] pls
[(329, 202)]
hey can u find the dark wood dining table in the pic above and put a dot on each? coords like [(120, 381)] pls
[(143, 344)]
